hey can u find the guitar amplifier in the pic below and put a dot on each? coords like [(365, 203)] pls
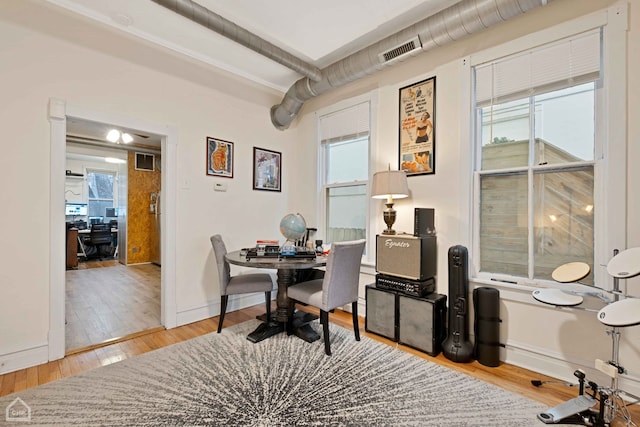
[(422, 322), (419, 322), (406, 256), (381, 312), (418, 288)]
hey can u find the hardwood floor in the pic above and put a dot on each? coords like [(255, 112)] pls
[(106, 301), (509, 377)]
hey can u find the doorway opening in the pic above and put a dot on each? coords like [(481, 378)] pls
[(59, 114), (113, 272)]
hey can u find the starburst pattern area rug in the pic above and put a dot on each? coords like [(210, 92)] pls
[(225, 380)]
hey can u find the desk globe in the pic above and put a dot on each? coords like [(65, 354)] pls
[(293, 227)]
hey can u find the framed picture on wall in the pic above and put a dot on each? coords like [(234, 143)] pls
[(417, 133), (267, 169), (219, 157)]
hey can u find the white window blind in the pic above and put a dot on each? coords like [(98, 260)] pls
[(347, 124), (565, 63)]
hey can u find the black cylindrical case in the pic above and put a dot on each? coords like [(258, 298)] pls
[(486, 302)]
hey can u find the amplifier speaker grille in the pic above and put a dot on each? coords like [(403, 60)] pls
[(381, 313), (421, 322)]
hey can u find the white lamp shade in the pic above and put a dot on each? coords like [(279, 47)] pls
[(390, 183)]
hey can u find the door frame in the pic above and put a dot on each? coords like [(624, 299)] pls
[(57, 116)]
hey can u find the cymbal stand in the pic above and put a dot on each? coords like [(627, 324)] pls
[(615, 405)]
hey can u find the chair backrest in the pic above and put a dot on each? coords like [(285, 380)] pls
[(224, 271), (100, 235), (100, 227), (341, 280)]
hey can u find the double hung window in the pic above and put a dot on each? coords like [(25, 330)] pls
[(344, 140), (101, 185), (536, 114)]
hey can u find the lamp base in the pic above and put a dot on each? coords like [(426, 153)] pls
[(389, 216)]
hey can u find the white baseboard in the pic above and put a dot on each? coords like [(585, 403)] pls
[(553, 365), (23, 359), (236, 302)]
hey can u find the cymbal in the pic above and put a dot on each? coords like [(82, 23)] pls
[(571, 272), (557, 297), (626, 264)]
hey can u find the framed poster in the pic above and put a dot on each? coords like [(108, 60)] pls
[(418, 128), (219, 157), (267, 169)]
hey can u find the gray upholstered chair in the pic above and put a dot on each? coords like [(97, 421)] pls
[(240, 284), (338, 287)]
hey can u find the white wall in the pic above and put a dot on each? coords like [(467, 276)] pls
[(538, 336), (46, 53)]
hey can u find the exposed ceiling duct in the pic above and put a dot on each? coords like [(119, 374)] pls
[(451, 24), (217, 23)]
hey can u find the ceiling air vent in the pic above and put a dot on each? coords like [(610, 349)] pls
[(398, 51)]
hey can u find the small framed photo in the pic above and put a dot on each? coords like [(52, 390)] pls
[(267, 169), (219, 157)]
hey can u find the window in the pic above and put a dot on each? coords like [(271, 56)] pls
[(344, 139), (101, 192), (535, 117)]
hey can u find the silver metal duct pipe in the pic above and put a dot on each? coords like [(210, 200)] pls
[(217, 23), (453, 23)]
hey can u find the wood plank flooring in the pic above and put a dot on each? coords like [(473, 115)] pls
[(106, 301), (509, 377)]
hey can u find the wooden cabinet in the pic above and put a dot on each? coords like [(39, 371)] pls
[(72, 248)]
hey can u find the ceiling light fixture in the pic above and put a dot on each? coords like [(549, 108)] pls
[(126, 138), (115, 136)]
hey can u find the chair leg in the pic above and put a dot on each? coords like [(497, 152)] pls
[(354, 314), (223, 309), (267, 300), (324, 320)]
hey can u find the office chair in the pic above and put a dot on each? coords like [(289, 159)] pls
[(338, 287), (100, 238), (240, 284)]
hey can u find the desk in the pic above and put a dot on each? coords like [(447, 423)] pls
[(286, 273)]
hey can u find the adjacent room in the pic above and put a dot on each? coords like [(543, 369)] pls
[(342, 213)]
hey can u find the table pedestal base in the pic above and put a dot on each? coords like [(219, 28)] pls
[(265, 330), (301, 327)]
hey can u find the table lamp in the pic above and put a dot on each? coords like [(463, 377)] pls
[(387, 185)]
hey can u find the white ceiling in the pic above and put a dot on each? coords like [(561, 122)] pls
[(319, 32)]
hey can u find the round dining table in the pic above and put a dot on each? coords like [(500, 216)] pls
[(286, 271)]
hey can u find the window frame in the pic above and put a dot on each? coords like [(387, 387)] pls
[(610, 139), (93, 170), (323, 187)]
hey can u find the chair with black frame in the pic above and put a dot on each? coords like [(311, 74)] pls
[(338, 287), (240, 284), (101, 239)]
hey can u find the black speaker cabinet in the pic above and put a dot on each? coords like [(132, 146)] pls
[(381, 312), (421, 322), (418, 322), (423, 222)]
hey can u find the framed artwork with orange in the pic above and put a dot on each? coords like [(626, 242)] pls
[(219, 157)]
